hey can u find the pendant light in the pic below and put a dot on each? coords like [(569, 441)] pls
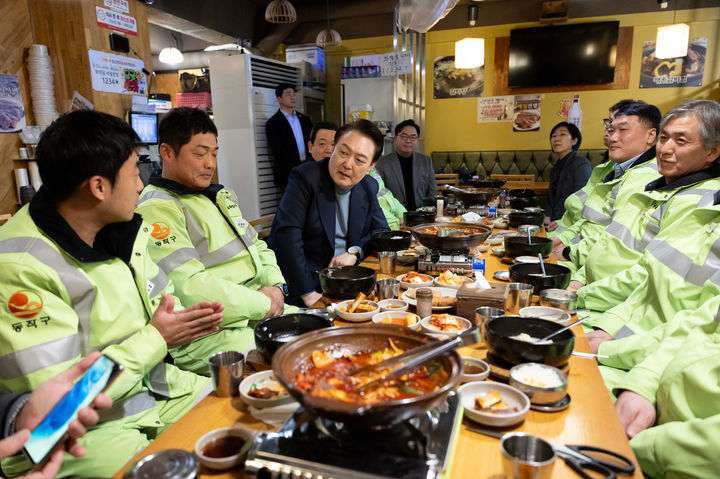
[(171, 55), (672, 40), (280, 11), (470, 52), (328, 37)]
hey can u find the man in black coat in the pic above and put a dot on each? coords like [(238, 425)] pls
[(329, 212), (288, 131)]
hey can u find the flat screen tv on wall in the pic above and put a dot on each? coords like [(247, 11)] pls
[(578, 54)]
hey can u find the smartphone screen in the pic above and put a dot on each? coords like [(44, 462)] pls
[(54, 426)]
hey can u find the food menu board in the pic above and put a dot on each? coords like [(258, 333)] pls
[(673, 72), (526, 115)]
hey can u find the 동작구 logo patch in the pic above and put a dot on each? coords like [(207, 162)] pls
[(160, 231), (25, 304)]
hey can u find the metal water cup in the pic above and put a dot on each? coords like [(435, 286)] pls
[(226, 370), (388, 288), (525, 456), (485, 313), (388, 260), (517, 296)]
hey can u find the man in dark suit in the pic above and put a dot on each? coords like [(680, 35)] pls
[(288, 131), (329, 212), (409, 175)]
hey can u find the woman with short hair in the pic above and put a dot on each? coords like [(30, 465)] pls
[(569, 174)]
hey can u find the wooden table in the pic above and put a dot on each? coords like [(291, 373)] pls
[(590, 419)]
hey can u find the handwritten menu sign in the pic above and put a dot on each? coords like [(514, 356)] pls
[(117, 74), (396, 63)]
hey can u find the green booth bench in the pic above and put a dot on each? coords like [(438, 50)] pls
[(517, 162)]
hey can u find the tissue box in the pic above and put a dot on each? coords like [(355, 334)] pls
[(470, 298)]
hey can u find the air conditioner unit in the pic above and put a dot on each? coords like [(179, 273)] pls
[(243, 96)]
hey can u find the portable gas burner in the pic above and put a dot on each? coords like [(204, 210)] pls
[(308, 446), (438, 262)]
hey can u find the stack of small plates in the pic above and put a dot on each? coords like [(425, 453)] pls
[(41, 85)]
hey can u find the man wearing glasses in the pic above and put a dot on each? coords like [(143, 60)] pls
[(409, 175)]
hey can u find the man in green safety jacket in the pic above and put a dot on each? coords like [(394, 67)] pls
[(668, 403), (689, 160), (631, 148), (574, 203), (202, 242), (320, 146), (668, 278), (76, 277)]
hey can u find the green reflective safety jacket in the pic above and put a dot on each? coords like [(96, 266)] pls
[(620, 190), (391, 207), (574, 203), (595, 214), (669, 277), (684, 442), (211, 253), (58, 307), (636, 221)]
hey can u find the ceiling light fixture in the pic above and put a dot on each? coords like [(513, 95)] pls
[(171, 55), (280, 11), (672, 40), (328, 37), (470, 52)]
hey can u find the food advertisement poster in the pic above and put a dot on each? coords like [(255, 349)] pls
[(495, 108), (117, 74), (526, 114), (673, 72), (12, 112), (451, 82)]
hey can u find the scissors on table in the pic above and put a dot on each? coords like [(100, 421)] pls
[(581, 458)]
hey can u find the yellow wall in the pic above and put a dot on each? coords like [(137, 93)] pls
[(451, 123)]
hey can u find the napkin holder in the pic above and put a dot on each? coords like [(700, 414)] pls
[(470, 298)]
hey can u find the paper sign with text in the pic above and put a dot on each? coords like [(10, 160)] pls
[(399, 63), (117, 74), (122, 6), (116, 21)]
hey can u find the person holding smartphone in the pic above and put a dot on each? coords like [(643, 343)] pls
[(76, 276), (22, 412)]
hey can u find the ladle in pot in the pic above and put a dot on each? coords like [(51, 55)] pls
[(409, 360), (542, 263)]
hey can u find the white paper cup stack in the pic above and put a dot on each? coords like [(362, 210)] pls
[(41, 85)]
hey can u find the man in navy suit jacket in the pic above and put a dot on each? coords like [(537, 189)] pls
[(287, 133), (329, 212)]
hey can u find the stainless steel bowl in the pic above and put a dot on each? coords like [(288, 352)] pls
[(538, 394), (559, 298)]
